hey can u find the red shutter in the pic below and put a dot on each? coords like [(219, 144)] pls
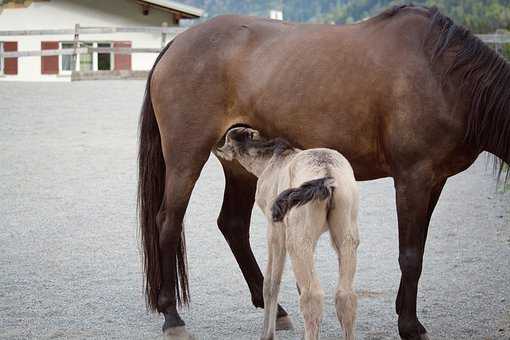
[(10, 64), (122, 61), (49, 64)]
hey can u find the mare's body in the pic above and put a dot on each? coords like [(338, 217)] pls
[(406, 94)]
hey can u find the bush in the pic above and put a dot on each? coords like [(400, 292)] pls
[(505, 51)]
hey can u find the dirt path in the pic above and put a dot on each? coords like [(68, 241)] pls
[(69, 264)]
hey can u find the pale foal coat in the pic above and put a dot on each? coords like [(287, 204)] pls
[(302, 226)]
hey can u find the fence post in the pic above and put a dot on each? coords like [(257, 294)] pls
[(500, 40), (163, 34), (76, 45)]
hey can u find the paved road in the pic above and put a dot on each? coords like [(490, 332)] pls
[(69, 262)]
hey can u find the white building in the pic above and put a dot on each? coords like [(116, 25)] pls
[(65, 14)]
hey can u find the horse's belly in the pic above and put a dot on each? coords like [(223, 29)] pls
[(315, 101), (359, 144)]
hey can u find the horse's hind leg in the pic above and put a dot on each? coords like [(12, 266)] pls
[(344, 237), (183, 163), (234, 223)]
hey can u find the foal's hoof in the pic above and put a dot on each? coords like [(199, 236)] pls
[(284, 323), (177, 333), (268, 338), (423, 336)]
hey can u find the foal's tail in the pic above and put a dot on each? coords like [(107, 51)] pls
[(317, 189), (151, 187)]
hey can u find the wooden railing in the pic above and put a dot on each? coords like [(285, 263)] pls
[(495, 38), (167, 34), (96, 30), (80, 50)]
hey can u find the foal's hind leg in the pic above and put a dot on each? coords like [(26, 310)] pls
[(234, 223), (302, 236), (344, 236)]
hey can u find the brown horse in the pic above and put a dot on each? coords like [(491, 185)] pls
[(407, 94)]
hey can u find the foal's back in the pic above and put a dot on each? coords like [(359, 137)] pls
[(313, 163), (319, 163)]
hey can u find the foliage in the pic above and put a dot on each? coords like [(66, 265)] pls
[(294, 10), (505, 50), (479, 16)]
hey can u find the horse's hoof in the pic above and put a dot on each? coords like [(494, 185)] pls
[(424, 336), (177, 333), (284, 323)]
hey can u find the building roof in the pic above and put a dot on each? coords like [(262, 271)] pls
[(187, 10)]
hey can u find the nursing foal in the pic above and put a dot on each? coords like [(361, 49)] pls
[(303, 194)]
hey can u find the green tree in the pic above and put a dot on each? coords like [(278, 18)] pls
[(480, 16)]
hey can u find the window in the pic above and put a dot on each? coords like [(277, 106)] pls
[(104, 60), (92, 61), (1, 58), (66, 61), (86, 60)]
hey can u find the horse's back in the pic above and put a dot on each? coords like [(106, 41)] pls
[(243, 44)]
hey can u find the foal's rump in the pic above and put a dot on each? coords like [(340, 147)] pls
[(318, 189)]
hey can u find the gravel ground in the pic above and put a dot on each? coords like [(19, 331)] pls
[(70, 265)]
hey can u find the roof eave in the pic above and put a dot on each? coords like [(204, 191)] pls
[(188, 13)]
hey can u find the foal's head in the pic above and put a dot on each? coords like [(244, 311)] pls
[(251, 149)]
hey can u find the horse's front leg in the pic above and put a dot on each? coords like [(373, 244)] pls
[(436, 193), (416, 196), (234, 223)]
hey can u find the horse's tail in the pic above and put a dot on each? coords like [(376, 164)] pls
[(317, 189), (151, 187)]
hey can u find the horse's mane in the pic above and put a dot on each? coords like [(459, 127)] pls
[(484, 74), (276, 146), (485, 79), (394, 10)]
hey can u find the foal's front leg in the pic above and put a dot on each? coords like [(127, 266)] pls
[(273, 278), (234, 223)]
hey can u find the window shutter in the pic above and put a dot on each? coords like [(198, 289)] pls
[(49, 64), (122, 61), (10, 64)]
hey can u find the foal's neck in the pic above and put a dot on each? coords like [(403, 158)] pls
[(257, 165)]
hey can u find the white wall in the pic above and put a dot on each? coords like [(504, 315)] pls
[(57, 14)]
